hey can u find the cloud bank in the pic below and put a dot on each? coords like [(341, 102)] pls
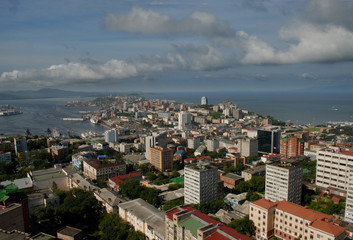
[(323, 33)]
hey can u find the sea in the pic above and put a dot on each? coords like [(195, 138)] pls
[(297, 107)]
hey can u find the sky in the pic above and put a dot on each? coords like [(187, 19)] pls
[(184, 45)]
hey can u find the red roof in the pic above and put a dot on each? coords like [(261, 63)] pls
[(232, 232), (264, 203), (222, 230), (217, 236), (328, 227), (350, 153), (122, 178)]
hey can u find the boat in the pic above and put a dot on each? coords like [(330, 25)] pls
[(74, 119), (94, 120), (7, 110)]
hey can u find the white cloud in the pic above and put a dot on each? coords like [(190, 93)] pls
[(201, 58), (312, 43), (149, 22)]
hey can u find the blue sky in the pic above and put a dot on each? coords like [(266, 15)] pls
[(181, 45)]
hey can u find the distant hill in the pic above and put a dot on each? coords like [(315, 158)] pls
[(46, 93)]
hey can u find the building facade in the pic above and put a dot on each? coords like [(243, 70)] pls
[(269, 140), (94, 169), (111, 136), (289, 221), (284, 181), (161, 158), (184, 120), (292, 147), (144, 218), (186, 223), (204, 100), (200, 183), (333, 166)]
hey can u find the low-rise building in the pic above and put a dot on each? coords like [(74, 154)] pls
[(231, 180), (114, 182), (58, 153), (78, 181), (70, 233), (108, 199), (44, 198), (144, 218), (258, 171), (286, 220), (185, 222), (95, 169)]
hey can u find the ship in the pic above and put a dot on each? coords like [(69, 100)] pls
[(7, 110), (94, 120), (74, 119)]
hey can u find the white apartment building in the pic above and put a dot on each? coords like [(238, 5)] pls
[(348, 215), (144, 218), (212, 144), (284, 181), (204, 100), (200, 183), (184, 120), (333, 167), (111, 136), (193, 143)]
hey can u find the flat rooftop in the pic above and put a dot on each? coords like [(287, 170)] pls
[(48, 176), (192, 224), (69, 231)]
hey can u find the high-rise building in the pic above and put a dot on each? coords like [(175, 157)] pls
[(204, 100), (212, 144), (333, 166), (292, 147), (111, 136), (286, 220), (161, 158), (20, 145), (193, 143), (284, 181), (184, 120), (348, 214), (157, 139), (200, 183), (269, 140)]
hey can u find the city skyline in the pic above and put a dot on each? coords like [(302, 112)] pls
[(163, 45)]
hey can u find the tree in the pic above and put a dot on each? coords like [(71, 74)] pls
[(172, 203), (113, 227), (78, 206), (243, 225), (151, 176), (209, 207), (132, 190)]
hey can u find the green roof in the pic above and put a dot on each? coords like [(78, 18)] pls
[(177, 179), (11, 188), (305, 171), (3, 196), (192, 224)]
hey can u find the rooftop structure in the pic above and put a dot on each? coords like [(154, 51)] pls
[(287, 220), (143, 217), (189, 223)]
